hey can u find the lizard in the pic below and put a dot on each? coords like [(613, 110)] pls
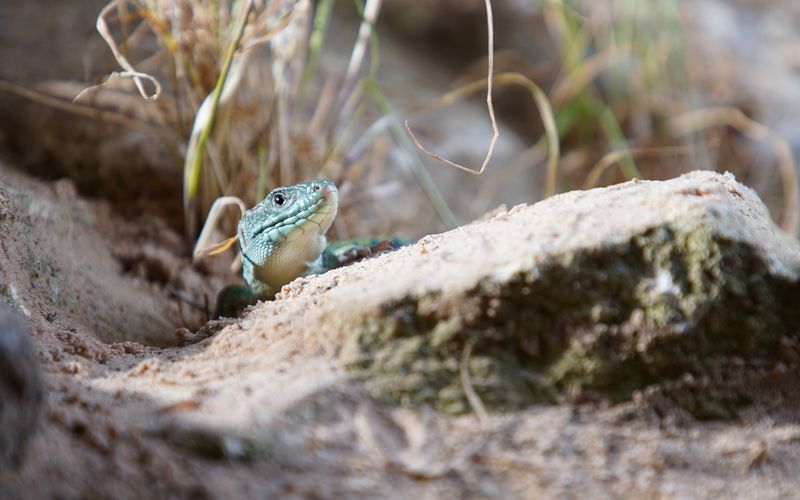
[(283, 237)]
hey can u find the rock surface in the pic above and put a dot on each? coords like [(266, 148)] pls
[(599, 329), (609, 290)]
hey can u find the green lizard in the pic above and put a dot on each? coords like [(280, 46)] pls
[(283, 237)]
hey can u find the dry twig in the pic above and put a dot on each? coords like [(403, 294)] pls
[(130, 72), (489, 105)]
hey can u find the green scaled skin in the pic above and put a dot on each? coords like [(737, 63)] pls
[(232, 300), (283, 237), (280, 238), (342, 253)]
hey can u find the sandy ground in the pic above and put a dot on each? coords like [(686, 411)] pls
[(264, 406)]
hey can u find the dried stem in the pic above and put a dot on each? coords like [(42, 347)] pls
[(489, 105)]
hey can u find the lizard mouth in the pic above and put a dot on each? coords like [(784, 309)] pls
[(330, 192)]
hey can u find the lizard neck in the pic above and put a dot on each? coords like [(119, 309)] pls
[(285, 263)]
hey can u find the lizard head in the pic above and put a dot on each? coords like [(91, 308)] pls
[(286, 230)]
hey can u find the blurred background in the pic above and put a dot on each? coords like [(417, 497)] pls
[(635, 88)]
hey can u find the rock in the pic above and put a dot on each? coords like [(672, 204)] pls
[(21, 389), (599, 292)]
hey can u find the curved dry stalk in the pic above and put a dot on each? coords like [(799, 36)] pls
[(576, 81), (473, 447), (733, 117), (119, 75), (489, 105), (203, 246), (505, 60), (423, 177), (613, 157), (542, 103), (130, 72), (473, 398)]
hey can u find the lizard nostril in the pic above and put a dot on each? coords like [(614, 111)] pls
[(317, 188)]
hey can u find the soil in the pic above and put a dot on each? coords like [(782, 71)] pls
[(146, 398), (264, 406)]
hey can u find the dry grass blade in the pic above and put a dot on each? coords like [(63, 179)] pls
[(118, 75), (423, 177), (222, 246), (130, 72), (371, 11), (473, 398), (542, 103), (614, 157), (324, 104), (489, 105), (203, 245), (483, 419), (79, 109), (726, 116), (280, 24), (579, 79)]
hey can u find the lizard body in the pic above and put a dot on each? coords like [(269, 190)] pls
[(280, 238), (283, 237)]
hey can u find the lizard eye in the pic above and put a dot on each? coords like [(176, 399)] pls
[(279, 199), (317, 188)]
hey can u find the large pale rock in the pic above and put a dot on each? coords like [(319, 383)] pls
[(602, 292)]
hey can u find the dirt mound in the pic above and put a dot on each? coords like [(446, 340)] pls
[(87, 271), (674, 298)]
